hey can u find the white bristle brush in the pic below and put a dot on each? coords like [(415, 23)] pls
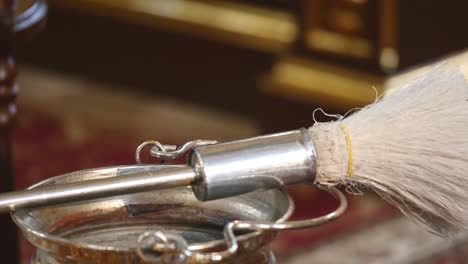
[(411, 147)]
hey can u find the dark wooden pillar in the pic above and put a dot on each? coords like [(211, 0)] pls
[(8, 91)]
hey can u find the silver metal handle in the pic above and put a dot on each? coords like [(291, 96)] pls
[(214, 171), (93, 189), (166, 247)]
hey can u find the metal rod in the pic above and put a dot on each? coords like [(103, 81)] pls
[(215, 171), (93, 189)]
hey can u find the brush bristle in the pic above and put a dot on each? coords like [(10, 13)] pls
[(411, 147)]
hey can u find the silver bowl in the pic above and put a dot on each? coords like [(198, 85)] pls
[(107, 230)]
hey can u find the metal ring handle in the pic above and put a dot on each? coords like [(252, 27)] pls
[(171, 245)]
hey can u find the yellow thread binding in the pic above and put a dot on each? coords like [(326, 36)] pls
[(350, 151)]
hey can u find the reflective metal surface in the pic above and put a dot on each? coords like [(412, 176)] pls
[(107, 230), (265, 162), (138, 181), (215, 171)]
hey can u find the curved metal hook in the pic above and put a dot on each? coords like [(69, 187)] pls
[(169, 154), (155, 144)]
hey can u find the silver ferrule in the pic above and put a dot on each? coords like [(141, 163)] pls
[(265, 162)]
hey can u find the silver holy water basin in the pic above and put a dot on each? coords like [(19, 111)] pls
[(107, 230)]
